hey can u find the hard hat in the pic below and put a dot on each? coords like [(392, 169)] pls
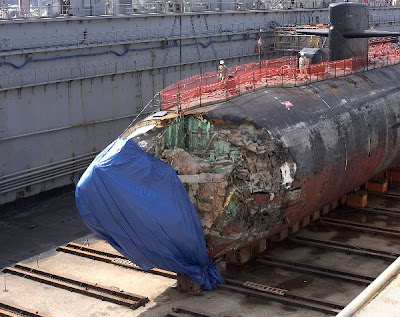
[(302, 53), (221, 62)]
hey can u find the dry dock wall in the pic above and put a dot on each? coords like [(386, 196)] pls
[(69, 86)]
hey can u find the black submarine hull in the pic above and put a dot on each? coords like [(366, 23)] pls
[(269, 158)]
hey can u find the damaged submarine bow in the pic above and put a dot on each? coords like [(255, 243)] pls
[(253, 165)]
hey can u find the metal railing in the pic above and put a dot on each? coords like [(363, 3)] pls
[(109, 8), (85, 39), (93, 39), (213, 87), (54, 75)]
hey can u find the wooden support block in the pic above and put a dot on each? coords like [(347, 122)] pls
[(382, 174), (258, 248), (358, 199), (295, 227), (262, 245), (284, 234), (305, 222), (394, 175), (240, 256), (326, 209), (316, 215), (364, 186), (281, 235), (186, 285), (378, 185), (334, 204), (343, 200), (221, 265)]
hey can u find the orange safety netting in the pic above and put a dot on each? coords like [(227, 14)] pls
[(207, 87), (383, 49)]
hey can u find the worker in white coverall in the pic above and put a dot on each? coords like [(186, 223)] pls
[(303, 63), (222, 71)]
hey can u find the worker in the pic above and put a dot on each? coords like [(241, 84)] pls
[(65, 7), (108, 7), (303, 63), (222, 71)]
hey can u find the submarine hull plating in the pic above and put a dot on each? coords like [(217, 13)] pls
[(259, 162)]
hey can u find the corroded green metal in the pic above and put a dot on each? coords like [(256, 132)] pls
[(197, 136)]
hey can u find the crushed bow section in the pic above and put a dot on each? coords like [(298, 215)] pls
[(239, 179)]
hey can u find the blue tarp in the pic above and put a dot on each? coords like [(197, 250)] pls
[(138, 204)]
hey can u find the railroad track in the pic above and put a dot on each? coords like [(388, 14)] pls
[(385, 211), (103, 293), (108, 257), (314, 269), (11, 311), (345, 247), (286, 297), (266, 287), (282, 296), (270, 293), (178, 311), (360, 227), (249, 289), (388, 194)]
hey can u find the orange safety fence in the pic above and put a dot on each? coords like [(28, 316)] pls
[(382, 49), (207, 87), (195, 86)]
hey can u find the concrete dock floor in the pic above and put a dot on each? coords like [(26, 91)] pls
[(386, 303), (30, 234)]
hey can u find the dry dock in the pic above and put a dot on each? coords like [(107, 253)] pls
[(54, 267)]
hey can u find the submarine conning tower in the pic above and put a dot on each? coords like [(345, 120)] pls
[(349, 31), (344, 18)]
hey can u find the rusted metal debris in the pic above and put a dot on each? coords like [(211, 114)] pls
[(236, 176), (104, 293)]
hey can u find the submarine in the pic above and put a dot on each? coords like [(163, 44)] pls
[(248, 166)]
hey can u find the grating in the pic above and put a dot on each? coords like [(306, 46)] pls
[(265, 288)]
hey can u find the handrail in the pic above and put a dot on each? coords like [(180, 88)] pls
[(206, 88), (107, 9)]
